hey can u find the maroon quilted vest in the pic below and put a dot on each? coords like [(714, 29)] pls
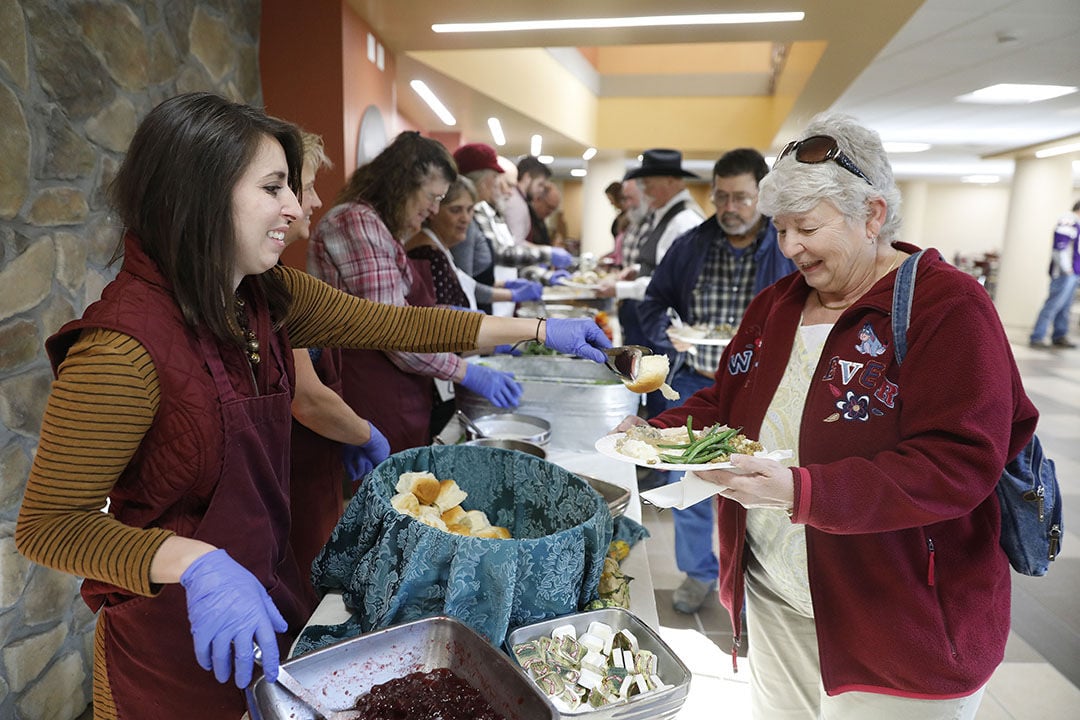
[(170, 480)]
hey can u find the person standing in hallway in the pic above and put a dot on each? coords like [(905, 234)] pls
[(533, 175), (1064, 271), (708, 277)]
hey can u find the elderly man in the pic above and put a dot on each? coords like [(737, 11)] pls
[(540, 208), (708, 277)]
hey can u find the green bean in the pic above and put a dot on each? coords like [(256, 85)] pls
[(690, 427)]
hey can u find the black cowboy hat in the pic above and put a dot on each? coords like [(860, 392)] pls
[(660, 162)]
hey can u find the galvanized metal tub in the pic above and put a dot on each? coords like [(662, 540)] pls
[(581, 399)]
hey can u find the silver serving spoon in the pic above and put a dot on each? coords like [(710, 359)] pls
[(306, 696), (624, 360), (468, 423)]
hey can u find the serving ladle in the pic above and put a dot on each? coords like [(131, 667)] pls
[(624, 360), (302, 693)]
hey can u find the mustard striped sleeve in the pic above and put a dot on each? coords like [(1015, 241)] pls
[(322, 316), (102, 404)]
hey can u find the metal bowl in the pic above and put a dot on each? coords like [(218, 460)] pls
[(512, 426), (507, 444), (616, 497)]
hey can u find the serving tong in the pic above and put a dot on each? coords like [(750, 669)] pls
[(306, 695), (624, 360)]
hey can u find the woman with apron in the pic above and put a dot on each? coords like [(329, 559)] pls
[(171, 410)]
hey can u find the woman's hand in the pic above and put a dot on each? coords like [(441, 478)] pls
[(679, 345), (628, 422), (755, 482), (500, 388), (576, 336)]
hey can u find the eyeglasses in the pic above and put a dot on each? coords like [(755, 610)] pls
[(432, 198), (821, 148), (721, 199)]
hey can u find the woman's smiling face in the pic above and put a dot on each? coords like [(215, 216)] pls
[(833, 255), (451, 223), (263, 208)]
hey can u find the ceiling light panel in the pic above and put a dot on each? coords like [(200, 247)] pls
[(496, 131), (1015, 94), (619, 22), (433, 102)]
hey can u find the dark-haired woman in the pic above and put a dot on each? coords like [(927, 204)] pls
[(172, 403), (358, 247)]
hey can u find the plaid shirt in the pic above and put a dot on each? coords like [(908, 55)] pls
[(723, 290), (353, 250)]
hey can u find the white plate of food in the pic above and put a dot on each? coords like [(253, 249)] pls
[(718, 335), (556, 293), (640, 446)]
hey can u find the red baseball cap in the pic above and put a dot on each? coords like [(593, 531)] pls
[(476, 156)]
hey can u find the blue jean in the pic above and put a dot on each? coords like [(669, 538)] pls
[(694, 525), (1056, 309)]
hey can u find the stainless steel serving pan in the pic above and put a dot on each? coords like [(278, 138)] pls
[(512, 426)]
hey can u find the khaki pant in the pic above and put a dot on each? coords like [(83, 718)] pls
[(785, 679)]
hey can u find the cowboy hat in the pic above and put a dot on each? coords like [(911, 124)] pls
[(660, 162)]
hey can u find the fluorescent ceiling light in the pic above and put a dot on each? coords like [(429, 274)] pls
[(535, 144), (906, 147), (546, 159), (433, 102), (619, 22), (980, 179), (588, 154), (579, 172), (1058, 150), (496, 131), (1015, 94)]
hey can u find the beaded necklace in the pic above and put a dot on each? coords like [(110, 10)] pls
[(251, 341)]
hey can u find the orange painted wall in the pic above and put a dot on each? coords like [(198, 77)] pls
[(315, 72)]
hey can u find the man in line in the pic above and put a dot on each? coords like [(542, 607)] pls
[(541, 207), (708, 277), (1064, 270), (533, 175)]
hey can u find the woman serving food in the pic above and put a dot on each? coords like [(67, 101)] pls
[(873, 580), (172, 404)]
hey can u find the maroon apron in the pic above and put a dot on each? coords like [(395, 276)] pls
[(318, 475), (149, 652), (398, 403)]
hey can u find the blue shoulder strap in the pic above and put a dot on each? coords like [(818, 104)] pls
[(903, 293)]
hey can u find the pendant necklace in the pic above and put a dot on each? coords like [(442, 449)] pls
[(251, 342)]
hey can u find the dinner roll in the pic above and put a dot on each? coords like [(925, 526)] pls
[(652, 371)]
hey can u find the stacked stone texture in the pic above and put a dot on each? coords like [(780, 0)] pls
[(75, 79)]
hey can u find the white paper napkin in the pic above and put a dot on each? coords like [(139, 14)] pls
[(691, 489)]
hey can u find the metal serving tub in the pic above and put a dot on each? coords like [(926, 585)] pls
[(507, 444), (654, 706), (617, 498), (512, 426), (581, 399), (343, 672)]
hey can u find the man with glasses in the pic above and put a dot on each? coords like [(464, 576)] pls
[(708, 277)]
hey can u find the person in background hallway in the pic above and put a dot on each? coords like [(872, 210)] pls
[(541, 207), (172, 404), (870, 565), (708, 277), (1064, 271), (533, 175), (332, 446), (613, 192), (358, 247)]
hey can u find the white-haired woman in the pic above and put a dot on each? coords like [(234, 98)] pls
[(870, 567)]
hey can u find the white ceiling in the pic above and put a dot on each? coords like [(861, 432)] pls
[(906, 91)]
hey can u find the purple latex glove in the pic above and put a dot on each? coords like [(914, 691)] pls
[(560, 259), (507, 350), (498, 387), (524, 290), (360, 459), (556, 276), (229, 610), (576, 336)]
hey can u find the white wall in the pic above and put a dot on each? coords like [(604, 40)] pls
[(956, 218)]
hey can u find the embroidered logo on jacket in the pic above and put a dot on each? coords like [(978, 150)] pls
[(861, 381)]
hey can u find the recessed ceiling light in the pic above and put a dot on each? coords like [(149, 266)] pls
[(1015, 94), (981, 179), (619, 22), (546, 159), (1058, 150), (906, 147), (579, 172), (588, 154), (535, 143), (432, 101), (496, 131)]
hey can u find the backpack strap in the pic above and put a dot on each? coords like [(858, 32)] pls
[(903, 294)]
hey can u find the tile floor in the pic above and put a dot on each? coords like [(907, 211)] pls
[(1040, 677)]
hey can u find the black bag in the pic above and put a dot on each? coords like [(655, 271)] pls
[(1028, 492)]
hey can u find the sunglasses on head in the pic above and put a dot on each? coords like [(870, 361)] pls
[(821, 148)]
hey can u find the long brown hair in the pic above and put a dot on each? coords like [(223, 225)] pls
[(393, 175), (174, 193)]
